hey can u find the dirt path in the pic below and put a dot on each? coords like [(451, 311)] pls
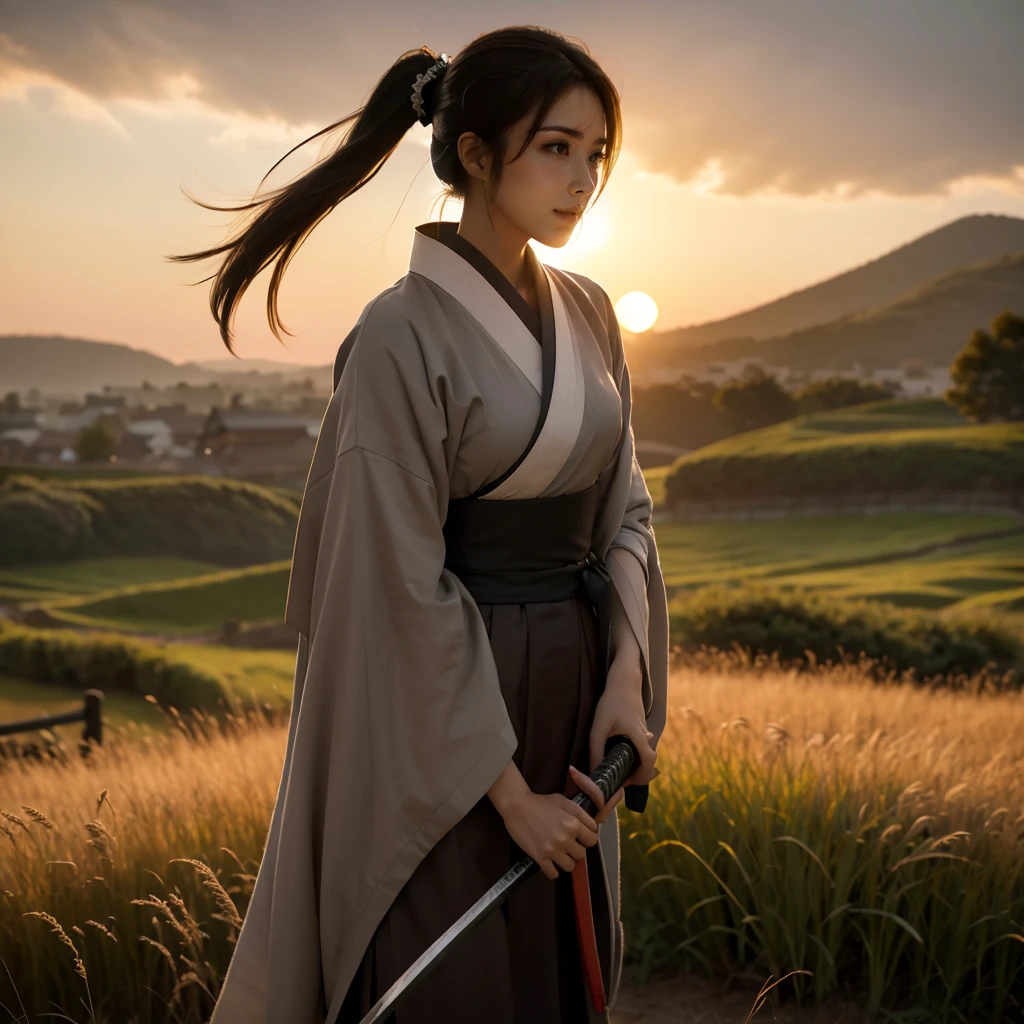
[(692, 1000)]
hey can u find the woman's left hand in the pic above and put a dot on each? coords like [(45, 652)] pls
[(620, 711)]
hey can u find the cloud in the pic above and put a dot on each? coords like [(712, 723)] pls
[(825, 98)]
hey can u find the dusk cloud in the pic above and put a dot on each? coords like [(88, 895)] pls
[(750, 96)]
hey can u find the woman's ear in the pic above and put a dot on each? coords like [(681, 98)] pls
[(475, 156)]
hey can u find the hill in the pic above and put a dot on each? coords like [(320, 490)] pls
[(932, 322), (56, 363), (76, 365), (207, 519), (873, 449), (969, 240)]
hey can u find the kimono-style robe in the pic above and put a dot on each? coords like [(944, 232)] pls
[(399, 725)]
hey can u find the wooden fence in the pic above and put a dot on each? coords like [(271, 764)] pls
[(90, 713)]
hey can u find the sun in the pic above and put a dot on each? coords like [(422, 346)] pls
[(636, 311)]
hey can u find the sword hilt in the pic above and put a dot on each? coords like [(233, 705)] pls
[(619, 760)]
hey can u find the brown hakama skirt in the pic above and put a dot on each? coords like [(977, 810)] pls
[(521, 964)]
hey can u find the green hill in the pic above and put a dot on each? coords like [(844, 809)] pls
[(226, 522), (880, 448)]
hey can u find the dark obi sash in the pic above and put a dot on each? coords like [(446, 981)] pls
[(526, 550)]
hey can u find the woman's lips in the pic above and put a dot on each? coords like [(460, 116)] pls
[(567, 216)]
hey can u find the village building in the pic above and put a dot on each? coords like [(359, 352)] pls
[(265, 447)]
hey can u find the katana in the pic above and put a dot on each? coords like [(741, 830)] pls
[(620, 757)]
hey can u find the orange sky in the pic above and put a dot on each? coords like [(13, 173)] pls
[(761, 154)]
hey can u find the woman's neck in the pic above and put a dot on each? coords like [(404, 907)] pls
[(503, 245)]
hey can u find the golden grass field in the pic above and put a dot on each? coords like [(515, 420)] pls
[(870, 834)]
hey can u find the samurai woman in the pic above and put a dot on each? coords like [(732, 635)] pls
[(475, 582)]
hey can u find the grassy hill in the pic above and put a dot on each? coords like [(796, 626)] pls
[(911, 559), (961, 243), (878, 448), (932, 321), (223, 521)]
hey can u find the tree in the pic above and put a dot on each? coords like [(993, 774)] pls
[(838, 393), (988, 373), (758, 400), (680, 414), (11, 402), (96, 442)]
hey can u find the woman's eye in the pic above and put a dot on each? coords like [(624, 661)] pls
[(600, 156)]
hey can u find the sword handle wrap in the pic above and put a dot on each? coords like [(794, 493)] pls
[(619, 760)]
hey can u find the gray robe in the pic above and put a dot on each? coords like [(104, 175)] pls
[(398, 726)]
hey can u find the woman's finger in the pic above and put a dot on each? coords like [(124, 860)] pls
[(606, 811), (645, 771), (578, 812), (587, 785)]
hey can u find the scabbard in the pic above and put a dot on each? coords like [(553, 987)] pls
[(587, 936)]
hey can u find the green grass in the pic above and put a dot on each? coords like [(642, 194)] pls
[(855, 556), (655, 480), (49, 580), (184, 606), (266, 675), (263, 675), (228, 522), (880, 447)]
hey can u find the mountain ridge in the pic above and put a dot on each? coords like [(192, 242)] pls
[(976, 238)]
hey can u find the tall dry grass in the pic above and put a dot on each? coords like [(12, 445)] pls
[(867, 834), (144, 857)]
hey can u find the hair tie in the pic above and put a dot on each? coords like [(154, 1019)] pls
[(424, 87)]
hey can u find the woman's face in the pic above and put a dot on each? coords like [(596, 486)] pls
[(559, 170)]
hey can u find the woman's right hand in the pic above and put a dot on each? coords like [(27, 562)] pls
[(551, 829)]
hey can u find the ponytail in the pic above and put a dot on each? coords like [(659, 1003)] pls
[(288, 214), (494, 82)]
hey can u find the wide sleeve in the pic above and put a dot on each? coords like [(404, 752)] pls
[(402, 727)]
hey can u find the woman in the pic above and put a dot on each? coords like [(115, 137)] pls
[(475, 581)]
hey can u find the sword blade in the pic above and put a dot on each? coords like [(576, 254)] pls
[(609, 775), (431, 956)]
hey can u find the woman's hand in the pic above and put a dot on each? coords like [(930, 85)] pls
[(620, 710), (551, 829)]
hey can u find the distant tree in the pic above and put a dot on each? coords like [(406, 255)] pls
[(680, 414), (96, 442), (988, 373), (758, 400), (238, 400), (838, 393), (11, 402)]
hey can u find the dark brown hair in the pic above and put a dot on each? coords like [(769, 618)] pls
[(491, 84)]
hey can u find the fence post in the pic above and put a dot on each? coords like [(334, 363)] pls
[(93, 717)]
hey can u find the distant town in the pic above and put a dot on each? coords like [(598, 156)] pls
[(261, 428), (264, 431)]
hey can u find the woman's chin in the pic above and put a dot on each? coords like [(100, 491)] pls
[(555, 239)]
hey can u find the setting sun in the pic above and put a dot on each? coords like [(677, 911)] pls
[(637, 311)]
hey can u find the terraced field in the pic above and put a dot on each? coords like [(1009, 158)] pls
[(909, 558)]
